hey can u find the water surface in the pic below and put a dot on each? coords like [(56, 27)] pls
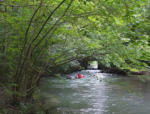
[(98, 93)]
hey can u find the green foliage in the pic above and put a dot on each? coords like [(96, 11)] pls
[(37, 37)]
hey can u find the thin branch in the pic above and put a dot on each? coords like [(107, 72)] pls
[(54, 25), (47, 21), (77, 58), (49, 36), (26, 34)]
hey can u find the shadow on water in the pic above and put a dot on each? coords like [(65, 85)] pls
[(98, 93)]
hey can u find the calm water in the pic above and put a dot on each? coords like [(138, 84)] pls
[(98, 93)]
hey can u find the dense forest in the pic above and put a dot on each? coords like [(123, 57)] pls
[(51, 37)]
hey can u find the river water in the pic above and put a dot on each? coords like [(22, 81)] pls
[(98, 93)]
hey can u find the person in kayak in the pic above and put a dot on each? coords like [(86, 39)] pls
[(80, 76)]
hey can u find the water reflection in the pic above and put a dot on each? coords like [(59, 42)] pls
[(98, 93)]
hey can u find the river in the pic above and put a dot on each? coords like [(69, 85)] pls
[(98, 93)]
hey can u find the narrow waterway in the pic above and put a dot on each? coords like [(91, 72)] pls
[(98, 93)]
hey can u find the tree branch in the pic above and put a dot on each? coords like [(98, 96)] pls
[(53, 25), (26, 34), (47, 21), (25, 39)]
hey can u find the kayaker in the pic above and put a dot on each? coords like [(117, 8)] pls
[(80, 76)]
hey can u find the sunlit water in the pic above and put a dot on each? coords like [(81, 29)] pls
[(98, 93)]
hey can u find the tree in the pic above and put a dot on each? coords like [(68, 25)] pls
[(38, 36)]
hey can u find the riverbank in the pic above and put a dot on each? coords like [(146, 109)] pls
[(6, 106)]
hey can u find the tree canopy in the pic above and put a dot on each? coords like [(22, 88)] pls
[(37, 36)]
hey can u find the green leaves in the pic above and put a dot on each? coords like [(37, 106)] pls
[(115, 32)]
